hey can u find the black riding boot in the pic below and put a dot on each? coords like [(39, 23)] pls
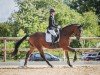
[(53, 41)]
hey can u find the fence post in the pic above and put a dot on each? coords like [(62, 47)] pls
[(4, 51)]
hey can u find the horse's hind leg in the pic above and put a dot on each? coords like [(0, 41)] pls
[(42, 55), (27, 55)]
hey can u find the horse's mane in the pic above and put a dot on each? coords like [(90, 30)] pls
[(70, 25)]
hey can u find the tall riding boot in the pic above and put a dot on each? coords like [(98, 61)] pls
[(53, 41)]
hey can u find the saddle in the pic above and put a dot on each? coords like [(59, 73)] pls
[(49, 36)]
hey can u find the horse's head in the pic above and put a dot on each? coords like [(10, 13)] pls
[(72, 29), (77, 31)]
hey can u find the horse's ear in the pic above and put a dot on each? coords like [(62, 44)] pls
[(80, 27)]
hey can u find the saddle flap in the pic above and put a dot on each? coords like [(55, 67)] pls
[(48, 37)]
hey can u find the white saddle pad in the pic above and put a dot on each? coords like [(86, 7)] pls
[(48, 37)]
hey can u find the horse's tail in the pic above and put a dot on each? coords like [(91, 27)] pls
[(17, 44)]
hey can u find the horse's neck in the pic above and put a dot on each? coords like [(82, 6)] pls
[(67, 31)]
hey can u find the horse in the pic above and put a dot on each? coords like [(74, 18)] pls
[(37, 41)]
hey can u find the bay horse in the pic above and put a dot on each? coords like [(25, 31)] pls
[(37, 40)]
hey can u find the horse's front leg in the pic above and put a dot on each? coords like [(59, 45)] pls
[(73, 50), (67, 56)]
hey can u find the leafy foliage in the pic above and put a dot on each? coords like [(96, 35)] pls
[(33, 16), (91, 27), (86, 5), (6, 29), (91, 15)]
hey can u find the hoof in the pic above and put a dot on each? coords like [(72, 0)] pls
[(24, 67), (74, 60), (71, 66), (51, 66)]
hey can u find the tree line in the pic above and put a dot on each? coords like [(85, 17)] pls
[(33, 16)]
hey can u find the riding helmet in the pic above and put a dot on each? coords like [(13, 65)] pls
[(52, 10)]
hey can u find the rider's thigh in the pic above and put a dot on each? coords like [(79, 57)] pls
[(52, 32)]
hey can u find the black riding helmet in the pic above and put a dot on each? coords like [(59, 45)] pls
[(52, 10)]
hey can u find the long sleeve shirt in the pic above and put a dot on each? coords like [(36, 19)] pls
[(51, 21)]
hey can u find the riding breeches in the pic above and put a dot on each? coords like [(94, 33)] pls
[(53, 33)]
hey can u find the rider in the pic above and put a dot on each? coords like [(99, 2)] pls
[(52, 26)]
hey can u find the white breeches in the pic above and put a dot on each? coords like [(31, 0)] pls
[(53, 32)]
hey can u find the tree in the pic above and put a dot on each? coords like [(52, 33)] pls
[(6, 29), (33, 15), (86, 5), (90, 12), (91, 27)]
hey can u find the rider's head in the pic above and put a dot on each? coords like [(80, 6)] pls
[(52, 12)]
